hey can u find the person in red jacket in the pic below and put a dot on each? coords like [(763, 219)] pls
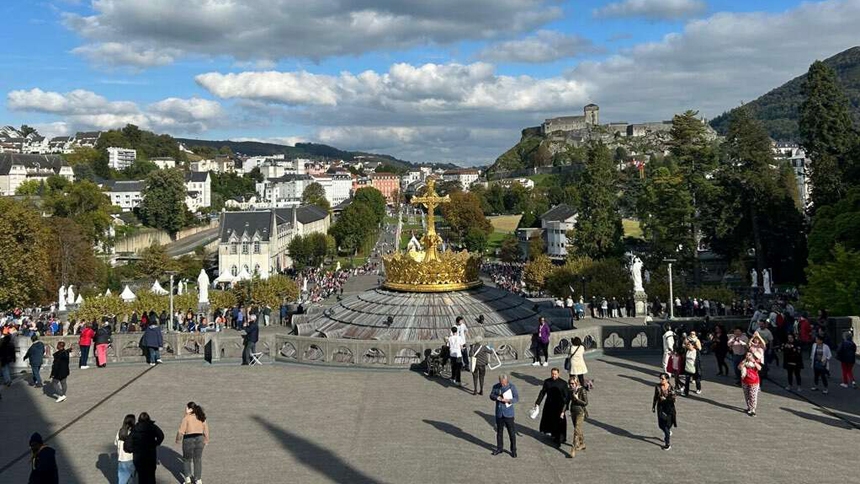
[(804, 330), (84, 343)]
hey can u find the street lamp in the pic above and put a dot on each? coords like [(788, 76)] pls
[(170, 315), (671, 296)]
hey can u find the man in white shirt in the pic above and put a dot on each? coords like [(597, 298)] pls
[(668, 344), (455, 347)]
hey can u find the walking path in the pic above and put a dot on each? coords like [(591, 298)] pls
[(282, 423)]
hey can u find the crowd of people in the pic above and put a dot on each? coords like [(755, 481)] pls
[(322, 284), (506, 275)]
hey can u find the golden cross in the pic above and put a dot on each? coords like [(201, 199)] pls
[(430, 200)]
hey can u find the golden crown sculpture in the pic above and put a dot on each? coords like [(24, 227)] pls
[(431, 270)]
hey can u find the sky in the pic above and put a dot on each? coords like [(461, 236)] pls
[(427, 81)]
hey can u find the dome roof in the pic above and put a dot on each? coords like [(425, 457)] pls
[(421, 316)]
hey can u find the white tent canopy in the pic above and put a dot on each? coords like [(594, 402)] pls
[(79, 300), (157, 289), (127, 295), (244, 275), (225, 278), (108, 293)]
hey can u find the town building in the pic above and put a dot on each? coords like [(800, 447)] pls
[(284, 191), (258, 241), (164, 163), (198, 190), (61, 144), (590, 117), (795, 156), (121, 158), (509, 182), (337, 186), (465, 176), (556, 223), (125, 194), (411, 176), (388, 184), (16, 168), (221, 164), (87, 139)]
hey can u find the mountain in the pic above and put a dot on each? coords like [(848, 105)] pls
[(779, 108), (303, 150)]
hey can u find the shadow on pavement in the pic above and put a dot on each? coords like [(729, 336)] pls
[(833, 422), (107, 464), (531, 380), (171, 460), (315, 456), (459, 433), (522, 430), (624, 433)]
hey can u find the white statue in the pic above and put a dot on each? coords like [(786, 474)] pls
[(765, 275), (79, 300), (70, 295), (636, 273), (754, 277), (413, 245), (62, 300), (203, 287), (338, 266)]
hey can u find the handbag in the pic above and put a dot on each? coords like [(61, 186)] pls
[(534, 412), (567, 365)]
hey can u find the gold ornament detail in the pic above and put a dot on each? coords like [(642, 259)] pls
[(431, 270)]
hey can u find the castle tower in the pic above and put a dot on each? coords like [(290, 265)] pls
[(592, 114)]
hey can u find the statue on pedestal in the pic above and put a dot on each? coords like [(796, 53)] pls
[(765, 274), (754, 278), (70, 295), (62, 300)]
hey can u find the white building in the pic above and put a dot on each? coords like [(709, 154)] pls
[(284, 191), (121, 158), (61, 144), (164, 163), (16, 168), (198, 190), (556, 223), (464, 175), (126, 195), (221, 164), (796, 157), (337, 186), (87, 139), (411, 176), (509, 182), (258, 241)]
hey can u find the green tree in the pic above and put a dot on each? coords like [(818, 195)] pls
[(833, 225), (835, 284), (449, 186), (354, 227), (154, 262), (163, 205), (83, 156), (510, 249), (299, 252), (826, 133), (138, 170), (87, 205), (70, 255), (230, 185), (475, 240), (373, 199), (666, 215), (536, 271), (537, 247), (314, 194), (464, 213), (26, 130), (598, 227), (24, 264), (29, 188)]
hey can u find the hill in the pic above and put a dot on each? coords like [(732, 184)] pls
[(778, 109), (302, 150)]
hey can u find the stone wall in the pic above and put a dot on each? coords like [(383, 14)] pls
[(145, 237)]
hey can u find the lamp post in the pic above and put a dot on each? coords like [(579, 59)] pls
[(170, 315), (671, 295)]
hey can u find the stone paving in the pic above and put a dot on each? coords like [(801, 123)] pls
[(290, 423)]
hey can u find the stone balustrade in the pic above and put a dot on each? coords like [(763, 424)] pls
[(227, 345)]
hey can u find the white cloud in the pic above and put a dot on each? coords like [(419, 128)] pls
[(81, 109), (429, 89), (653, 9), (155, 32), (545, 46), (122, 54), (278, 140)]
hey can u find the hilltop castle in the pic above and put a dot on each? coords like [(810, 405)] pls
[(580, 127)]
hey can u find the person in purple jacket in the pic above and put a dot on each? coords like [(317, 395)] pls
[(542, 343)]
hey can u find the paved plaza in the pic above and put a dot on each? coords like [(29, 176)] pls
[(290, 423)]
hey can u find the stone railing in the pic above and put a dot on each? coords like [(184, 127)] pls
[(403, 354)]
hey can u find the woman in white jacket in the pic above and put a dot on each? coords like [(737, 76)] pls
[(577, 360), (820, 357), (122, 441)]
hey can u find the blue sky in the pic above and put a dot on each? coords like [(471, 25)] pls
[(427, 81)]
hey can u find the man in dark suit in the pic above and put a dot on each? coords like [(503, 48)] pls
[(252, 335)]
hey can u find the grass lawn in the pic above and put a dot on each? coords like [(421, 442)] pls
[(505, 223), (632, 228), (540, 179), (344, 261), (494, 241)]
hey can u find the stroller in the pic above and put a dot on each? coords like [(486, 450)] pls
[(436, 361)]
